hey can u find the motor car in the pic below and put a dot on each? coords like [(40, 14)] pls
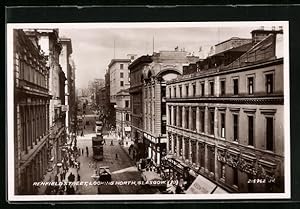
[(104, 174)]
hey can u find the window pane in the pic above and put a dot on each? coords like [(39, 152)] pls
[(235, 127), (269, 134), (235, 86), (250, 85), (212, 122), (211, 88), (223, 125), (222, 87), (250, 130), (269, 83)]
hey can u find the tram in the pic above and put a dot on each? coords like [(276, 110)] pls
[(98, 142)]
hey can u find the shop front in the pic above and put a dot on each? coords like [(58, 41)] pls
[(155, 148)]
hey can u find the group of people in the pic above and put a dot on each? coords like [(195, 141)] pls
[(64, 173)]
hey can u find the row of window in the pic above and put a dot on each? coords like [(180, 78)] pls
[(32, 75), (189, 122), (269, 87), (33, 124)]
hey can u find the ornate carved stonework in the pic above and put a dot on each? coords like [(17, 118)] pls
[(248, 165)]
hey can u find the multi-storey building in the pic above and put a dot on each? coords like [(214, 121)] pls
[(148, 76), (119, 81), (101, 98), (118, 69), (64, 60), (31, 108), (136, 104), (50, 46), (123, 117), (225, 121), (165, 65)]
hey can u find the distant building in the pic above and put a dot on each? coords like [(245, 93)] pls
[(31, 108), (94, 88), (123, 117), (101, 98), (118, 70), (225, 121), (119, 78)]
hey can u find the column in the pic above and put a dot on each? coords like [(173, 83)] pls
[(35, 125), (183, 148), (177, 116), (206, 120), (38, 122), (31, 125), (216, 164), (172, 144), (198, 119), (216, 124), (33, 165), (172, 116), (190, 150), (47, 117), (178, 146), (43, 120), (167, 114), (205, 158), (44, 159), (197, 153), (39, 167), (183, 117), (26, 129), (190, 119)]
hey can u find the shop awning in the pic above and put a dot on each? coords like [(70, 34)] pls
[(202, 185)]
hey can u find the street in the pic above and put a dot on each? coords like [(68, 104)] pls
[(122, 168)]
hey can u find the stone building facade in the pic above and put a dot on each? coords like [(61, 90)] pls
[(225, 121), (31, 108), (48, 40), (118, 70), (123, 117), (136, 104), (64, 61), (165, 65)]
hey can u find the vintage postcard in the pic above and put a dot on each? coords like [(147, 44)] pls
[(148, 111)]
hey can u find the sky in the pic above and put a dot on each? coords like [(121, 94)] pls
[(93, 48)]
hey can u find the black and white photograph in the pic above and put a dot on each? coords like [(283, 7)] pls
[(148, 111)]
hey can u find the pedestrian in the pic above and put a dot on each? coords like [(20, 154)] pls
[(116, 156), (87, 151), (82, 133), (78, 164), (82, 152)]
